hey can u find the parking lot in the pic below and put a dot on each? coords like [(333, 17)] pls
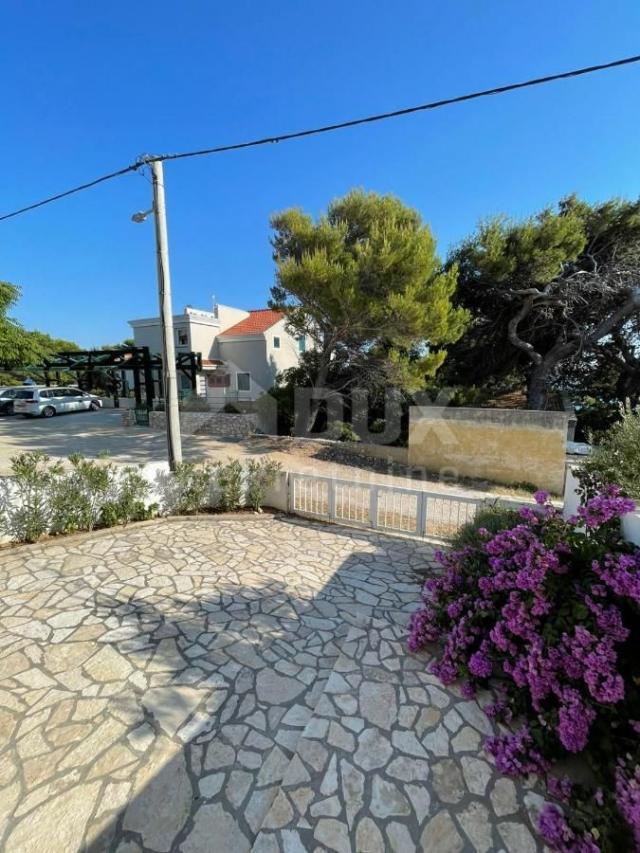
[(91, 433)]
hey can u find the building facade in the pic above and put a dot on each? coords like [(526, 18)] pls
[(242, 351)]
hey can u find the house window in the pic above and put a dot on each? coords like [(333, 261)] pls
[(218, 380), (276, 342), (244, 381), (183, 338), (302, 344)]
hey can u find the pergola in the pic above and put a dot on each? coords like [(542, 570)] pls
[(145, 367)]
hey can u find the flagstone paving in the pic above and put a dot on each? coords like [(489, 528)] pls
[(155, 682), (391, 761)]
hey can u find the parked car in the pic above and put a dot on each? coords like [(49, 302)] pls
[(47, 402), (9, 395)]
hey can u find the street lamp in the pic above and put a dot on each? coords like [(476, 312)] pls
[(170, 379), (141, 215)]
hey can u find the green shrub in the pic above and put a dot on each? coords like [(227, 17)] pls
[(494, 519), (26, 507), (194, 404), (127, 501), (192, 487), (77, 496), (230, 409), (260, 477), (341, 431), (595, 417), (229, 478), (616, 459)]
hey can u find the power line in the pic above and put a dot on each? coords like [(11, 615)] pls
[(328, 128), (64, 194), (433, 105)]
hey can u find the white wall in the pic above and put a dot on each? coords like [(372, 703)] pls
[(202, 337), (287, 355), (148, 335), (253, 354), (248, 355), (228, 316), (571, 498), (201, 328)]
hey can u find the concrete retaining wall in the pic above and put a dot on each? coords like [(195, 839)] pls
[(504, 445)]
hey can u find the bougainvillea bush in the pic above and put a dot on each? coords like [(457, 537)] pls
[(546, 614)]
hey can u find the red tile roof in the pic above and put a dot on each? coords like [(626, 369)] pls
[(255, 324)]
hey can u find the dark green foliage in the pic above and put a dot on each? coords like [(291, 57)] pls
[(595, 417), (127, 501), (544, 292), (494, 519), (341, 431), (77, 497), (230, 409), (261, 475), (192, 484), (17, 345), (230, 477), (194, 403), (26, 508), (365, 286), (616, 459)]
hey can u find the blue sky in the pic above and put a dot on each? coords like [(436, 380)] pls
[(87, 87)]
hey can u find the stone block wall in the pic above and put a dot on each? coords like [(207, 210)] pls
[(209, 423), (504, 445)]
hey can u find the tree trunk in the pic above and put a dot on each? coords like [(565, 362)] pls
[(320, 383), (538, 384), (537, 387)]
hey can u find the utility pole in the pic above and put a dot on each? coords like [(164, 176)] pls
[(170, 379)]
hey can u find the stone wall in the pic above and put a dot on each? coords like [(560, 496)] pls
[(209, 423), (503, 445)]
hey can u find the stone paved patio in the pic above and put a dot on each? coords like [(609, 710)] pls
[(155, 682)]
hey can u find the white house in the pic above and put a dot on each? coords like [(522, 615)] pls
[(242, 351)]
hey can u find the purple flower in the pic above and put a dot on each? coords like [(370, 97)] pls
[(605, 508), (559, 787), (559, 836), (480, 665), (467, 690), (621, 574), (421, 630), (547, 607), (514, 754), (628, 798), (574, 720)]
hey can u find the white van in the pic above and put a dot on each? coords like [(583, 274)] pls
[(47, 402)]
